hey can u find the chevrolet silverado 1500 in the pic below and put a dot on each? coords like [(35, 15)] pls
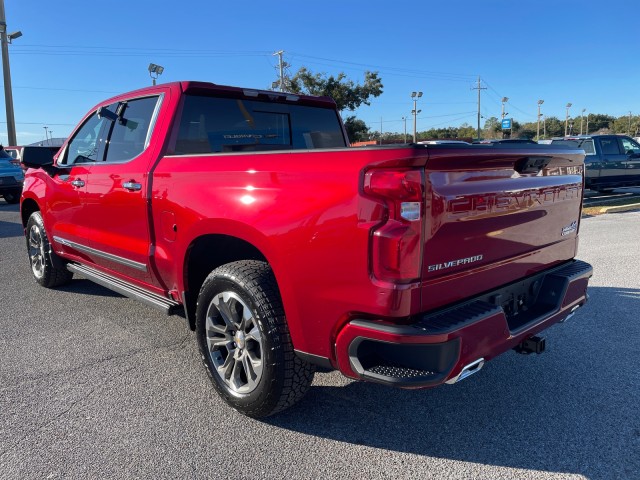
[(248, 213)]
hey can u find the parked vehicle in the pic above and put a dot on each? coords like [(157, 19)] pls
[(443, 142), (611, 161), (407, 265), (11, 178), (495, 141)]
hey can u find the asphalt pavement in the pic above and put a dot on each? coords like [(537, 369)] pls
[(95, 385)]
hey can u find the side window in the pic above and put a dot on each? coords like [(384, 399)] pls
[(629, 146), (610, 146), (87, 143), (129, 130)]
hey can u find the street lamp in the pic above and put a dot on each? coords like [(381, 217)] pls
[(504, 114), (415, 96), (566, 120), (155, 70), (582, 119), (540, 102), (5, 40)]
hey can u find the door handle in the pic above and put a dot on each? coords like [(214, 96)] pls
[(132, 186), (77, 183)]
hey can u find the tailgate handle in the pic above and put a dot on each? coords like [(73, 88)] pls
[(531, 164)]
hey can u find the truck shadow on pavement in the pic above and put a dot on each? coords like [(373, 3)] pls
[(10, 230), (571, 409)]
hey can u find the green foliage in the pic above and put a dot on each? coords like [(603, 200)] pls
[(347, 94), (357, 130)]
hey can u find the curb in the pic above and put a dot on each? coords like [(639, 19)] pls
[(620, 208)]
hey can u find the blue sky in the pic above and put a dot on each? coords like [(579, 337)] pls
[(74, 54)]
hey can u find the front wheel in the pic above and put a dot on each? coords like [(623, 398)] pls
[(244, 340), (47, 268)]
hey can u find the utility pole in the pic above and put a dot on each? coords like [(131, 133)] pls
[(281, 67), (582, 119), (405, 129), (6, 71), (479, 88), (629, 123), (380, 130), (540, 102)]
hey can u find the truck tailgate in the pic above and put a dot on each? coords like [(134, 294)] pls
[(496, 214)]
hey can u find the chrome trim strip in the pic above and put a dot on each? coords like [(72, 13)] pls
[(154, 118), (99, 253)]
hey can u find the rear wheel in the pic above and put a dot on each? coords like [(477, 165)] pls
[(47, 268), (245, 343)]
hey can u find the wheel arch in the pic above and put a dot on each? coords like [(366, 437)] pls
[(28, 206), (206, 253)]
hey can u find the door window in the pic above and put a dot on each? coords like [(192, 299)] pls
[(610, 146), (629, 146), (88, 142), (130, 128)]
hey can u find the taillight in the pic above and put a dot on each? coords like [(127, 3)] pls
[(396, 253)]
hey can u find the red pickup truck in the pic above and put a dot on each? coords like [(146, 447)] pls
[(285, 249)]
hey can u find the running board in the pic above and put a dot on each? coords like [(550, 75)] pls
[(127, 289)]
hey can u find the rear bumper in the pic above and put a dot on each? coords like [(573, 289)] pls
[(450, 344)]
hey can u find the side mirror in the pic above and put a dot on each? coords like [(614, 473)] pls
[(37, 157)]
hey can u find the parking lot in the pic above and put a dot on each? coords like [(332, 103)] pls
[(95, 385)]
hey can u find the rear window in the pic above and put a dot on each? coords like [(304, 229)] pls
[(584, 144), (216, 125)]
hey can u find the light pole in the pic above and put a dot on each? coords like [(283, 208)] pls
[(566, 120), (582, 119), (5, 40), (405, 129), (540, 102), (586, 131), (629, 124), (415, 96), (544, 126), (46, 135), (504, 114), (155, 70)]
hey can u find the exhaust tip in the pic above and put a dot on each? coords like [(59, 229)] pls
[(467, 371)]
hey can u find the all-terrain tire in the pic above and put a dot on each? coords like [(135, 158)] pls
[(245, 343)]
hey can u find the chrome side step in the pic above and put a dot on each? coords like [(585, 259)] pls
[(467, 371), (154, 300)]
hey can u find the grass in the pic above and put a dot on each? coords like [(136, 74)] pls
[(590, 211)]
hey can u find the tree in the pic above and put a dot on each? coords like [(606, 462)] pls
[(357, 130), (345, 92), (491, 127)]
